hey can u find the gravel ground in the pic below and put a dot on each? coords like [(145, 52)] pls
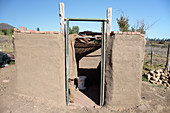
[(154, 99)]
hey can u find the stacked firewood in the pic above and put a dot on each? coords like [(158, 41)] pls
[(159, 77)]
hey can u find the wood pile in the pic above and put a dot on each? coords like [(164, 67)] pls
[(159, 77)]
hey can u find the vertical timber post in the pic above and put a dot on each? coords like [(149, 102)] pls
[(13, 44), (151, 56), (104, 46), (64, 28), (168, 59), (61, 14), (109, 23)]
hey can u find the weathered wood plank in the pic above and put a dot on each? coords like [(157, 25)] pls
[(61, 14), (109, 22)]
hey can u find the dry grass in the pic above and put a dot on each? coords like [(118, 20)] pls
[(6, 44), (158, 58)]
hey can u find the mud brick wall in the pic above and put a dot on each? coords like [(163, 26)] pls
[(40, 62), (124, 63), (91, 60)]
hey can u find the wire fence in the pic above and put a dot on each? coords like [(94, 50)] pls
[(155, 57)]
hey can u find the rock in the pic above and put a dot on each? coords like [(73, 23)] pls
[(142, 107), (158, 75), (152, 81), (164, 84), (165, 81), (165, 71), (152, 72), (151, 78), (160, 70), (148, 76), (168, 85), (162, 74), (156, 79), (169, 81), (162, 77), (160, 81), (5, 81)]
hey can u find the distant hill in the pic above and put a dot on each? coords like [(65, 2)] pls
[(6, 26)]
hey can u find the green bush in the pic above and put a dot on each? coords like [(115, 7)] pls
[(161, 42), (1, 33), (12, 62), (144, 79), (8, 32)]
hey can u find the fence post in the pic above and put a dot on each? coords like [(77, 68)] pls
[(13, 44), (167, 66), (151, 55), (61, 14)]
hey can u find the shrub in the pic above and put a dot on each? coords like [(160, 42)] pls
[(161, 42), (6, 32)]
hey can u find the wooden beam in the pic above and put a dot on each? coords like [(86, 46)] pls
[(61, 14), (168, 58), (109, 22)]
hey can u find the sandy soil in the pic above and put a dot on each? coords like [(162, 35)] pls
[(154, 99)]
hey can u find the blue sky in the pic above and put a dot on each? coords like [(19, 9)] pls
[(45, 14)]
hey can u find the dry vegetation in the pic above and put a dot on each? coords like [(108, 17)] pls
[(159, 54), (6, 44)]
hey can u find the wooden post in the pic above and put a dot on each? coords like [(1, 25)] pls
[(151, 55), (168, 59), (13, 44), (109, 22), (61, 14)]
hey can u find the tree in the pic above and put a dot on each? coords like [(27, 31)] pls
[(140, 28), (74, 30), (132, 29), (38, 29), (123, 23)]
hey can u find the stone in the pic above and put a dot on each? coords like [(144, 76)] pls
[(160, 81), (162, 77), (166, 80), (148, 76), (164, 84), (153, 82), (5, 81), (156, 71), (151, 78), (156, 79), (162, 74), (160, 70), (152, 72), (158, 75)]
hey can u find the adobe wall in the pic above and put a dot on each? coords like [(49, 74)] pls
[(40, 62), (91, 60), (124, 63)]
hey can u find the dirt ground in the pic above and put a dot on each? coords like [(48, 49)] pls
[(154, 99)]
